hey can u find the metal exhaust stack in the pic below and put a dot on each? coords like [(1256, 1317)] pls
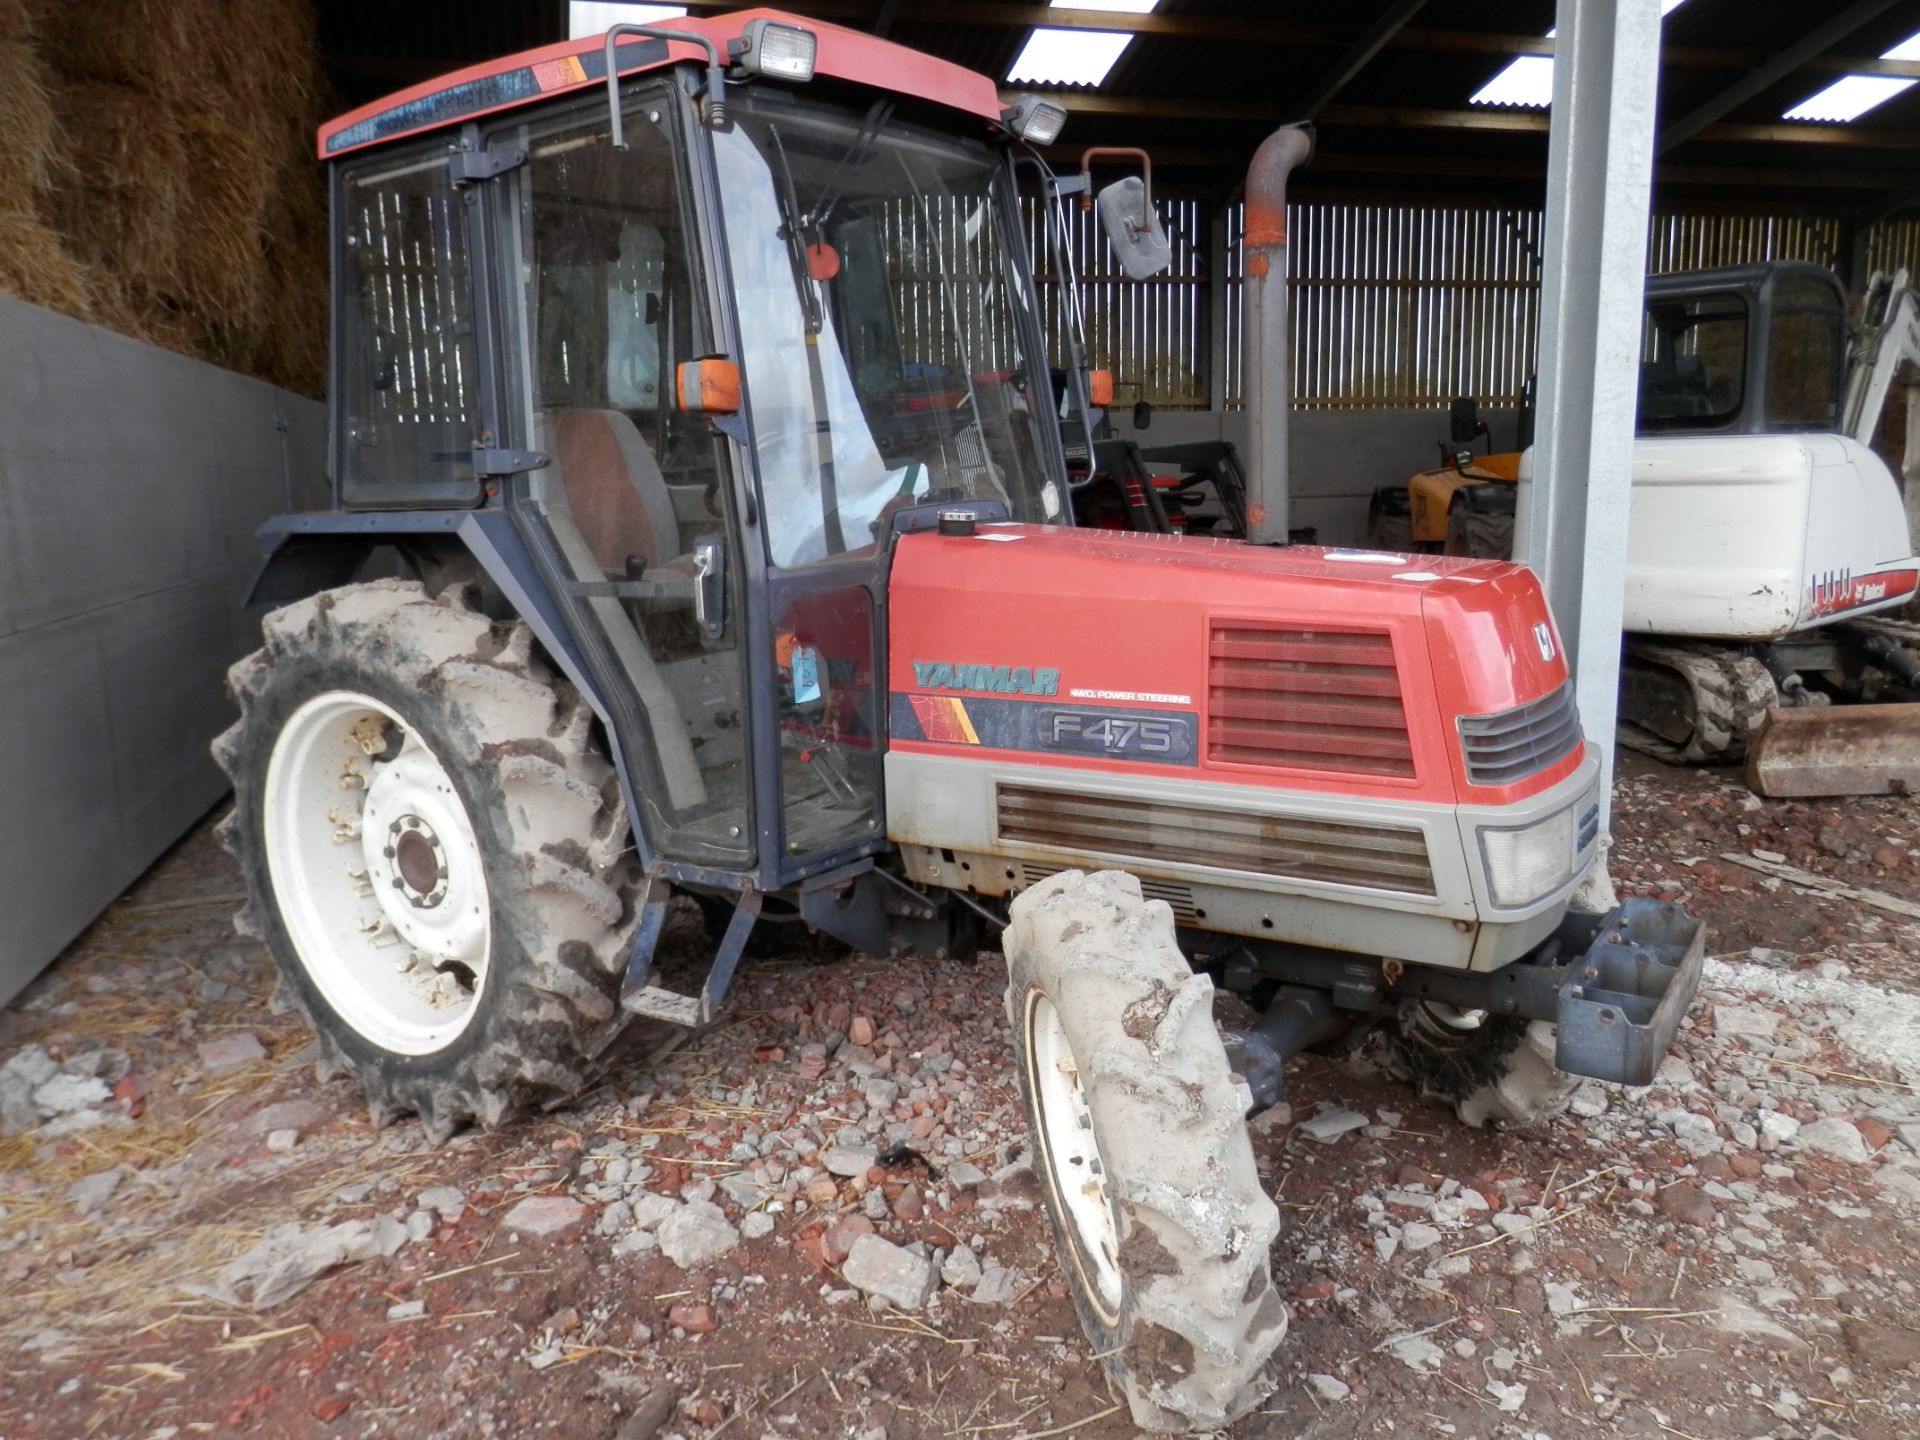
[(1269, 388)]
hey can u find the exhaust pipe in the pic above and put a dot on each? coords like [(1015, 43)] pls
[(1269, 395)]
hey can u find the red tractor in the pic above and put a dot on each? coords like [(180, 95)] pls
[(693, 380)]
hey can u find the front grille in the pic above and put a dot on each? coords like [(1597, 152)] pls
[(1306, 700), (1179, 897), (1523, 741), (1383, 857)]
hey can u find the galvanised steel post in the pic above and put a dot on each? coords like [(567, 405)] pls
[(1599, 170)]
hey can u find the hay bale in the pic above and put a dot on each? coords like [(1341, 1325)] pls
[(31, 157), (36, 266), (159, 47), (222, 239), (294, 341), (123, 211), (269, 52), (172, 149)]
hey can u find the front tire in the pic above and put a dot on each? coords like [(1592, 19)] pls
[(1479, 534), (434, 852), (1140, 1142)]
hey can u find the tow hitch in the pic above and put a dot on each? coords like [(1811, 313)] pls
[(1615, 985)]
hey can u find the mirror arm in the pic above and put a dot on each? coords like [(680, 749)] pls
[(716, 74), (1126, 151)]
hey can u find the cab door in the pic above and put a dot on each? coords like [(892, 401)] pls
[(605, 293)]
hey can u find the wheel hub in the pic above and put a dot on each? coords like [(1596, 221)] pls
[(423, 859), (414, 851)]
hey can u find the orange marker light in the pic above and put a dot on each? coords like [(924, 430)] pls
[(708, 387)]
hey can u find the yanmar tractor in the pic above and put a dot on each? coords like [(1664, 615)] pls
[(691, 383)]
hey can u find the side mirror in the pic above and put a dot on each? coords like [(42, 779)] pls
[(1463, 419), (1142, 415), (1126, 213), (707, 387), (1133, 227)]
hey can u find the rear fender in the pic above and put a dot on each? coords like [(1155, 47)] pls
[(309, 553)]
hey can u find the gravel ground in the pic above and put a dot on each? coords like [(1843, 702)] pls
[(197, 1239)]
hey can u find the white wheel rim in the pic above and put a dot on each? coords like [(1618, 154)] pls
[(1074, 1169), (376, 872)]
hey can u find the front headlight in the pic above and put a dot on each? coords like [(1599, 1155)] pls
[(1524, 864)]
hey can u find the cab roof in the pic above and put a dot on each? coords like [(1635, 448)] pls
[(534, 75)]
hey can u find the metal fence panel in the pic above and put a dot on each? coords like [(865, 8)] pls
[(1390, 307)]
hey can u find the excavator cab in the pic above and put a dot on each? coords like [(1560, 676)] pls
[(1743, 350)]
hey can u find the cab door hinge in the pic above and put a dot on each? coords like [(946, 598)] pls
[(469, 167), (506, 462)]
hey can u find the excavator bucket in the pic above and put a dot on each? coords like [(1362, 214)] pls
[(1848, 750)]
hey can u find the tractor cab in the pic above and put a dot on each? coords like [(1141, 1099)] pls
[(702, 335)]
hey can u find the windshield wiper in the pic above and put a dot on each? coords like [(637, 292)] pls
[(816, 373), (857, 152), (791, 225)]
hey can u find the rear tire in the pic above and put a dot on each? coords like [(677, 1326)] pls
[(1141, 1147), (1492, 1069), (1390, 525), (374, 717)]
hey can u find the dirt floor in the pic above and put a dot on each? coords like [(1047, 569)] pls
[(196, 1238)]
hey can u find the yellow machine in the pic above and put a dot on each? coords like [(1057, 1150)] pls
[(1465, 504), (1430, 494)]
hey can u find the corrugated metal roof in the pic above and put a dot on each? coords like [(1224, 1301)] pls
[(1206, 79)]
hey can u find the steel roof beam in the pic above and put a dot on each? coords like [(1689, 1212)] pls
[(985, 14), (1815, 42), (1887, 203), (1516, 122), (1360, 54)]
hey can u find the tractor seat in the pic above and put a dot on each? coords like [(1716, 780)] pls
[(619, 499)]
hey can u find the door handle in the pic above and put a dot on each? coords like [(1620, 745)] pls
[(709, 587)]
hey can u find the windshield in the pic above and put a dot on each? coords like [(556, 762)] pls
[(1693, 362), (883, 325)]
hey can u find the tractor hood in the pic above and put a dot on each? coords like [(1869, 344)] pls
[(1304, 667)]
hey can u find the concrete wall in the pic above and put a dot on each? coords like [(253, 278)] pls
[(1339, 457), (131, 483)]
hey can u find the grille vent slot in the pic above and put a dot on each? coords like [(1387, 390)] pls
[(1508, 747), (1306, 700), (1381, 857)]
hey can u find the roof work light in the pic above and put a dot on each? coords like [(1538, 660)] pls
[(776, 51), (1036, 121)]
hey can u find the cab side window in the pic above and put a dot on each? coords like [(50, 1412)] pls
[(404, 339)]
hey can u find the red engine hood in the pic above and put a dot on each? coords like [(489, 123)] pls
[(992, 636)]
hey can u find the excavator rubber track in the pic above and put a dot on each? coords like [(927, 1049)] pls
[(1692, 702), (1901, 632)]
